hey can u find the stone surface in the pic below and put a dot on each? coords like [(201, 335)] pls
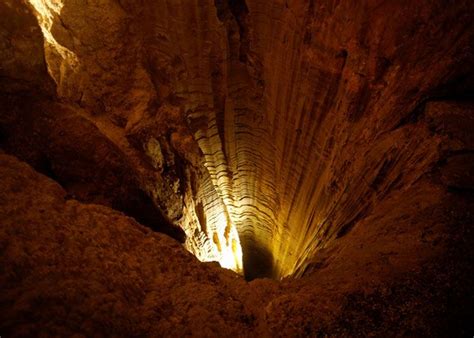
[(71, 268), (22, 59), (294, 130), (68, 268), (324, 140)]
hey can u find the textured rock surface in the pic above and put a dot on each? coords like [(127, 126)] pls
[(22, 59), (290, 132), (325, 140), (68, 268)]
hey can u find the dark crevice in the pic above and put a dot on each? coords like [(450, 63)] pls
[(309, 17), (134, 202), (3, 136), (30, 131), (382, 173), (201, 216), (459, 88), (461, 190), (234, 14), (381, 68), (45, 167), (141, 207), (414, 116), (257, 260), (240, 10), (346, 228), (451, 153), (359, 102)]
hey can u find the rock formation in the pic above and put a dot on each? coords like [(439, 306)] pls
[(327, 145)]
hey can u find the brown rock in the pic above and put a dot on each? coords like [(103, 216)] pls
[(326, 142)]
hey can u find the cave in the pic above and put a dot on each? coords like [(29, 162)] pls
[(250, 168)]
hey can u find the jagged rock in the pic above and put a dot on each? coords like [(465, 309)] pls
[(326, 141), (23, 66), (72, 268), (299, 125)]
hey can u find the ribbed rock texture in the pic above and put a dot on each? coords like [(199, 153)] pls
[(71, 268), (283, 121), (327, 140)]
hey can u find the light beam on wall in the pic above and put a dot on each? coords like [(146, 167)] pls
[(60, 60)]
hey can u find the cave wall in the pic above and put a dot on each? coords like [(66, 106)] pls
[(288, 134), (73, 268), (70, 268), (149, 165), (336, 117), (331, 140)]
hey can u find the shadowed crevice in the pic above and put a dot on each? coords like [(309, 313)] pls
[(257, 260)]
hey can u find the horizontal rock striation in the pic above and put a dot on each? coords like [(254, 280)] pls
[(325, 144), (406, 269), (266, 130)]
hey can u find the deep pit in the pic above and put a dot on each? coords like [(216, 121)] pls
[(320, 151)]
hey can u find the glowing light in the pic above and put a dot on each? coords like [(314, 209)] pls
[(217, 239), (212, 238), (46, 11), (231, 251), (227, 250)]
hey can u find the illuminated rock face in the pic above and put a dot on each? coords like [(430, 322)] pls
[(328, 141), (274, 126)]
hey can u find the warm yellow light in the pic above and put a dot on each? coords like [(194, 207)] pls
[(229, 252), (231, 255), (212, 237), (217, 240), (45, 11)]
